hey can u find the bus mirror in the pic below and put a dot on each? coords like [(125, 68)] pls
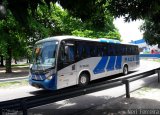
[(63, 43), (66, 50)]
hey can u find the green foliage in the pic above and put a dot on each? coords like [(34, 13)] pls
[(135, 9), (61, 22), (151, 32), (94, 34), (44, 22), (11, 36), (92, 12), (148, 10)]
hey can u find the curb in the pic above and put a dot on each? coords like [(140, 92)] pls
[(13, 79)]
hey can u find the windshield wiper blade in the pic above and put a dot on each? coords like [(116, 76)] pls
[(50, 68)]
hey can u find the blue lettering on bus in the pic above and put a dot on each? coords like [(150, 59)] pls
[(111, 63), (101, 65), (119, 62)]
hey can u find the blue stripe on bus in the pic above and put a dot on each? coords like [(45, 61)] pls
[(100, 68), (119, 62), (111, 63)]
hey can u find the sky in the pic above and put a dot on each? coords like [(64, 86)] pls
[(129, 30)]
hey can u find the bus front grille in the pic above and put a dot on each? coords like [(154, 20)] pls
[(38, 77)]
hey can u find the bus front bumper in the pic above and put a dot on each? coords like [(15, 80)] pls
[(45, 84)]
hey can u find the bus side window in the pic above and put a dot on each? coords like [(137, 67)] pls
[(71, 53), (121, 50), (111, 50), (81, 51), (133, 50), (67, 53), (62, 53), (100, 50), (116, 48), (125, 50), (92, 51), (87, 51), (104, 50), (84, 52)]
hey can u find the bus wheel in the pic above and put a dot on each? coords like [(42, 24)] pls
[(125, 70), (83, 79)]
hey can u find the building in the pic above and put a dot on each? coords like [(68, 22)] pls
[(144, 48)]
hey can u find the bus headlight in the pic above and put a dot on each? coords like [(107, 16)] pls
[(49, 77)]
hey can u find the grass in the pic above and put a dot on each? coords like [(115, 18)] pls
[(19, 65), (157, 60), (13, 84)]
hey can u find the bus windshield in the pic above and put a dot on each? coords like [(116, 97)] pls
[(44, 55)]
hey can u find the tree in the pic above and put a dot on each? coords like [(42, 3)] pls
[(1, 61), (148, 10), (15, 39), (151, 32), (62, 22), (44, 22), (10, 40), (135, 9), (84, 9)]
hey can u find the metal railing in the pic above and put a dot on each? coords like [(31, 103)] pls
[(22, 104)]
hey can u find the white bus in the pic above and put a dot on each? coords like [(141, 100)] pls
[(63, 61)]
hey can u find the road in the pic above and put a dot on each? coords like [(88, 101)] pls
[(82, 103), (77, 104)]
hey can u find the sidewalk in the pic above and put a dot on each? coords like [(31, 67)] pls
[(17, 71), (143, 101)]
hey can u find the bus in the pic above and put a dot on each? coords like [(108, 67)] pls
[(64, 61)]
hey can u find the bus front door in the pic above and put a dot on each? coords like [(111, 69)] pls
[(67, 73)]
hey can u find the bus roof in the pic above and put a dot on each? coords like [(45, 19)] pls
[(59, 38)]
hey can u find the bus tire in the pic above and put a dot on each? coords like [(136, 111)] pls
[(125, 70), (83, 79)]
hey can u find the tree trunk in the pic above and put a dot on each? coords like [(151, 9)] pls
[(8, 60), (2, 64), (15, 61)]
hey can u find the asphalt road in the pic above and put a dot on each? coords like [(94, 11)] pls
[(81, 103)]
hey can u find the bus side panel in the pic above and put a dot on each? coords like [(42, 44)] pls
[(100, 67), (111, 63), (90, 64), (131, 61), (67, 76), (119, 62), (114, 65)]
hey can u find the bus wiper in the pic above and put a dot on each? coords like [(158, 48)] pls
[(50, 68)]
